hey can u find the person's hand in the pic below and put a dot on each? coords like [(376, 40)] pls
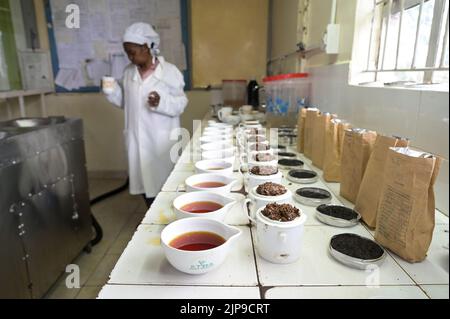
[(153, 99)]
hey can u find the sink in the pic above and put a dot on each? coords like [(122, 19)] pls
[(29, 122), (35, 122)]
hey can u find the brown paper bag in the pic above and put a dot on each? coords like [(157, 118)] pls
[(356, 151), (406, 212), (321, 126), (311, 115), (301, 130), (341, 132), (370, 189), (334, 139)]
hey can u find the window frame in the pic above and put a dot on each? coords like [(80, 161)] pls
[(378, 29)]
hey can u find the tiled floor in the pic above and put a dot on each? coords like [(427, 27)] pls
[(119, 217)]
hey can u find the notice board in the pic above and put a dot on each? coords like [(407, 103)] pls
[(81, 56)]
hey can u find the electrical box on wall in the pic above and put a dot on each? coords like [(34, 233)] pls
[(331, 39), (36, 72)]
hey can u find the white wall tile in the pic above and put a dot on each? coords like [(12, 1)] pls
[(177, 292), (144, 262), (432, 124), (353, 292), (316, 267), (422, 116), (434, 270), (436, 291), (441, 188)]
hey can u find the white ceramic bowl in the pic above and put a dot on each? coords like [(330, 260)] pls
[(197, 262), (226, 155), (214, 167), (192, 182), (219, 134), (256, 180), (220, 130), (257, 201), (195, 197), (216, 146), (219, 125), (215, 138), (232, 119), (246, 117)]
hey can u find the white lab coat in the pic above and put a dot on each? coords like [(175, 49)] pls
[(147, 130)]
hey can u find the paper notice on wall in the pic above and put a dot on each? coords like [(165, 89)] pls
[(141, 11), (96, 69), (68, 58), (98, 26), (119, 20), (102, 25), (97, 6), (70, 79), (168, 8), (119, 61)]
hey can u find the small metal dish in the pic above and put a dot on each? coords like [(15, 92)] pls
[(312, 176), (289, 163), (357, 262), (309, 201), (336, 221), (287, 155)]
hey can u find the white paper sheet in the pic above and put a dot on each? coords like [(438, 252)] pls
[(69, 79), (68, 58), (119, 62), (98, 26), (96, 69)]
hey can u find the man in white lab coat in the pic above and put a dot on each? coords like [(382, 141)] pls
[(153, 99)]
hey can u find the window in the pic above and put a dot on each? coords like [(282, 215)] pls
[(406, 41)]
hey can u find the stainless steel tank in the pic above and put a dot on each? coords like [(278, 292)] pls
[(45, 217)]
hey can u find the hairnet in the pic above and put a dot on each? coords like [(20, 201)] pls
[(143, 33)]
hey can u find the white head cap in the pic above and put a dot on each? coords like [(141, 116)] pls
[(143, 33)]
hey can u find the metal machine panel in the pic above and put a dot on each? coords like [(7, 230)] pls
[(44, 189)]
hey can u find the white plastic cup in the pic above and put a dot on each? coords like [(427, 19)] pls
[(108, 84)]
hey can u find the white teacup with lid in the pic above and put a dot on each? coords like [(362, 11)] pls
[(252, 180), (256, 200), (276, 241)]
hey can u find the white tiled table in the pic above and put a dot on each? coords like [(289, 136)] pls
[(143, 271)]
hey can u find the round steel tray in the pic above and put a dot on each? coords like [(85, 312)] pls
[(357, 262), (309, 180), (287, 155), (314, 202), (283, 166), (336, 221)]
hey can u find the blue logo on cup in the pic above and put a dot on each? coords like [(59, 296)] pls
[(201, 265)]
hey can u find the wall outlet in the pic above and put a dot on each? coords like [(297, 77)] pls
[(331, 39)]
